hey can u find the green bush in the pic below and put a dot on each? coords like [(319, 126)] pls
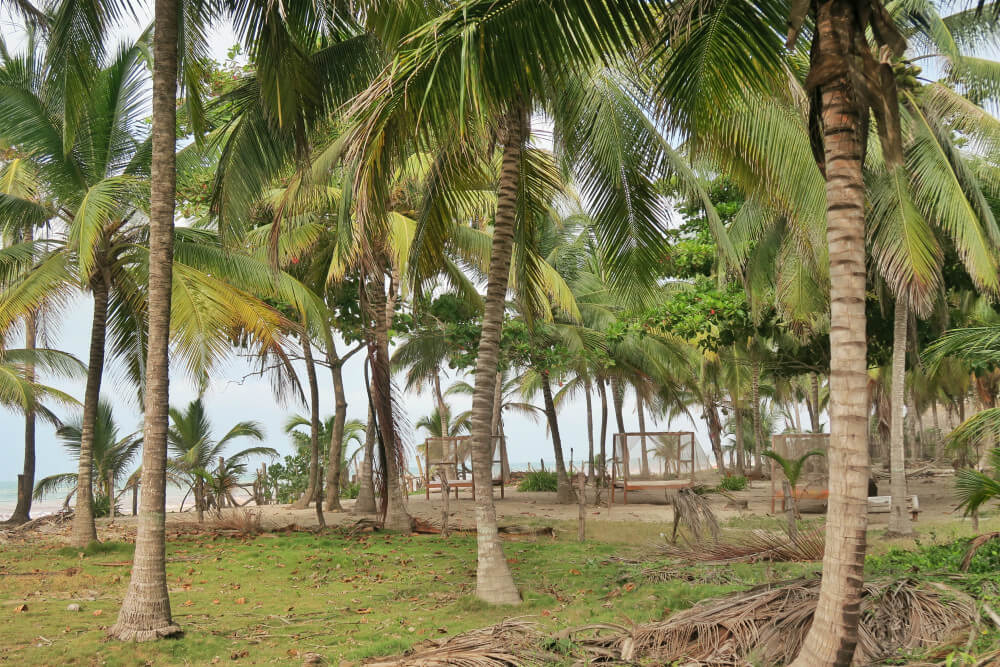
[(733, 483), (539, 481), (937, 558), (102, 506), (350, 491)]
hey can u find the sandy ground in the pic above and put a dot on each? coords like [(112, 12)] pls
[(935, 493)]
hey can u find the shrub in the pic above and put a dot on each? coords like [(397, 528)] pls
[(539, 481), (733, 483), (349, 491), (102, 506)]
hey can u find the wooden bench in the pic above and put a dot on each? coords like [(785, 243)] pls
[(883, 505)]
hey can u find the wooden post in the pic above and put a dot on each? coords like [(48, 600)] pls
[(443, 472), (582, 529)]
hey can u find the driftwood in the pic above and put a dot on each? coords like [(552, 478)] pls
[(57, 519)]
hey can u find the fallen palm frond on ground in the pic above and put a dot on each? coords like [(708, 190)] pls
[(769, 624), (758, 546), (714, 575), (694, 511), (974, 546), (512, 643)]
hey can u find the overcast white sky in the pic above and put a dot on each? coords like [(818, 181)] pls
[(231, 398)]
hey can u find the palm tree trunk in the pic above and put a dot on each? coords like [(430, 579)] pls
[(833, 635), (84, 532), (111, 495), (396, 517), (642, 429), (496, 426), (758, 431), (494, 582), (333, 469), (590, 431), (199, 499), (715, 435), (741, 451), (814, 413), (618, 398), (145, 612), (602, 390), (564, 488), (314, 492), (366, 486), (26, 480), (899, 518)]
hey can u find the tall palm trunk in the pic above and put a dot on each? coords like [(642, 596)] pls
[(741, 449), (602, 390), (833, 635), (396, 517), (617, 399), (494, 582), (310, 493), (590, 431), (84, 532), (496, 426), (814, 413), (642, 429), (564, 488), (333, 466), (313, 493), (26, 480), (366, 487), (899, 519), (715, 435), (145, 612), (758, 431)]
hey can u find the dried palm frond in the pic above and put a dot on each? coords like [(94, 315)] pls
[(512, 643), (974, 546), (715, 575), (760, 545), (693, 511), (768, 624)]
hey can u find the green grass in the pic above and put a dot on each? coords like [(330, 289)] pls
[(349, 598)]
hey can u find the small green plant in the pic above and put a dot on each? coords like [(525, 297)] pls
[(539, 481), (350, 491), (733, 483)]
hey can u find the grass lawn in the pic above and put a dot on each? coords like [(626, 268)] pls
[(268, 599), (271, 598)]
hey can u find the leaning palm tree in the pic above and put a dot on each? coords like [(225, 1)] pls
[(196, 454), (114, 455)]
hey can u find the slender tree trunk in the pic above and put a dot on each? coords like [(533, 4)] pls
[(84, 532), (642, 429), (602, 464), (336, 457), (758, 430), (496, 425), (494, 582), (899, 518), (26, 480), (310, 493), (315, 478), (590, 431), (396, 517), (833, 635), (617, 399), (145, 612), (111, 495), (565, 493), (816, 411), (741, 451), (715, 435), (199, 499), (366, 487)]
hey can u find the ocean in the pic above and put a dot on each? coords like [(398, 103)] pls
[(51, 505)]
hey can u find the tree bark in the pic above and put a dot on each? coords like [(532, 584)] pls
[(741, 451), (26, 480), (315, 477), (494, 581), (145, 612), (336, 454), (83, 531), (899, 518), (642, 429), (833, 635), (366, 487), (617, 399), (564, 488), (715, 435)]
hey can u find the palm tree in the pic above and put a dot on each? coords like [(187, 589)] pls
[(974, 488), (113, 456), (353, 431), (792, 469), (196, 454)]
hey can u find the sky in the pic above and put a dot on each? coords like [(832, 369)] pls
[(235, 395)]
